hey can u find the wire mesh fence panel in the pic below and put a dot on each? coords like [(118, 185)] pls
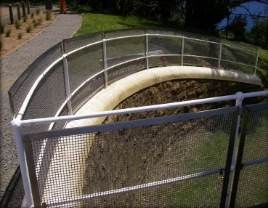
[(253, 186), (237, 67), (124, 32), (201, 48), (164, 32), (78, 162), (252, 189), (74, 43), (200, 36), (88, 90), (126, 49), (126, 69), (164, 51), (240, 55), (83, 64), (47, 98), (164, 45), (22, 86), (195, 192), (199, 62), (256, 143)]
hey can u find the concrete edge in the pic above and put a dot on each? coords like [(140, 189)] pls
[(109, 98)]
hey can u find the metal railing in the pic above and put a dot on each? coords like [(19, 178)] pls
[(72, 71), (211, 137), (61, 80)]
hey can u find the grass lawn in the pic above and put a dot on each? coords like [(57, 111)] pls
[(101, 22)]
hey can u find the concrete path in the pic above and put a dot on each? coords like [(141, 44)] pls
[(12, 65)]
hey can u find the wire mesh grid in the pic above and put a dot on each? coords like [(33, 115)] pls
[(83, 64), (201, 48), (81, 41), (253, 185), (126, 69), (256, 144), (23, 85), (78, 165), (126, 49), (87, 91), (241, 55), (124, 32), (167, 45), (200, 36), (237, 67), (48, 97), (199, 62), (165, 32)]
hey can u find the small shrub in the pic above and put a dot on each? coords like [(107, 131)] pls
[(25, 18), (33, 21), (37, 11), (40, 20), (36, 24), (2, 29), (19, 35), (17, 24), (48, 15), (32, 15), (8, 31), (28, 28)]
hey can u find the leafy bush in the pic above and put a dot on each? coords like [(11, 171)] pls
[(25, 18), (2, 29), (48, 15), (28, 28), (17, 24), (19, 35), (8, 31)]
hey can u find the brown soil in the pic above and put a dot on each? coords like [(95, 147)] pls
[(12, 42)]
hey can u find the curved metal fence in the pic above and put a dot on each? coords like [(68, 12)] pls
[(72, 71)]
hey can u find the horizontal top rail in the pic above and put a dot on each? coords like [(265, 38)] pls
[(239, 95), (116, 55)]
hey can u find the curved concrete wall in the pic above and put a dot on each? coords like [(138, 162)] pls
[(108, 99)]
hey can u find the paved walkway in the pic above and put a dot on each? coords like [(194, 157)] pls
[(12, 65)]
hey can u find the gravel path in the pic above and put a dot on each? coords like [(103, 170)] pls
[(12, 65)]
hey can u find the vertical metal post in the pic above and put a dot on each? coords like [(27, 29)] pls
[(11, 14), (22, 161), (18, 11), (104, 56), (219, 58), (239, 100), (182, 50), (147, 50), (239, 156), (23, 9), (256, 63), (28, 6), (67, 84)]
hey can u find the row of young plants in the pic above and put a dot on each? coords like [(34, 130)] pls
[(36, 20)]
